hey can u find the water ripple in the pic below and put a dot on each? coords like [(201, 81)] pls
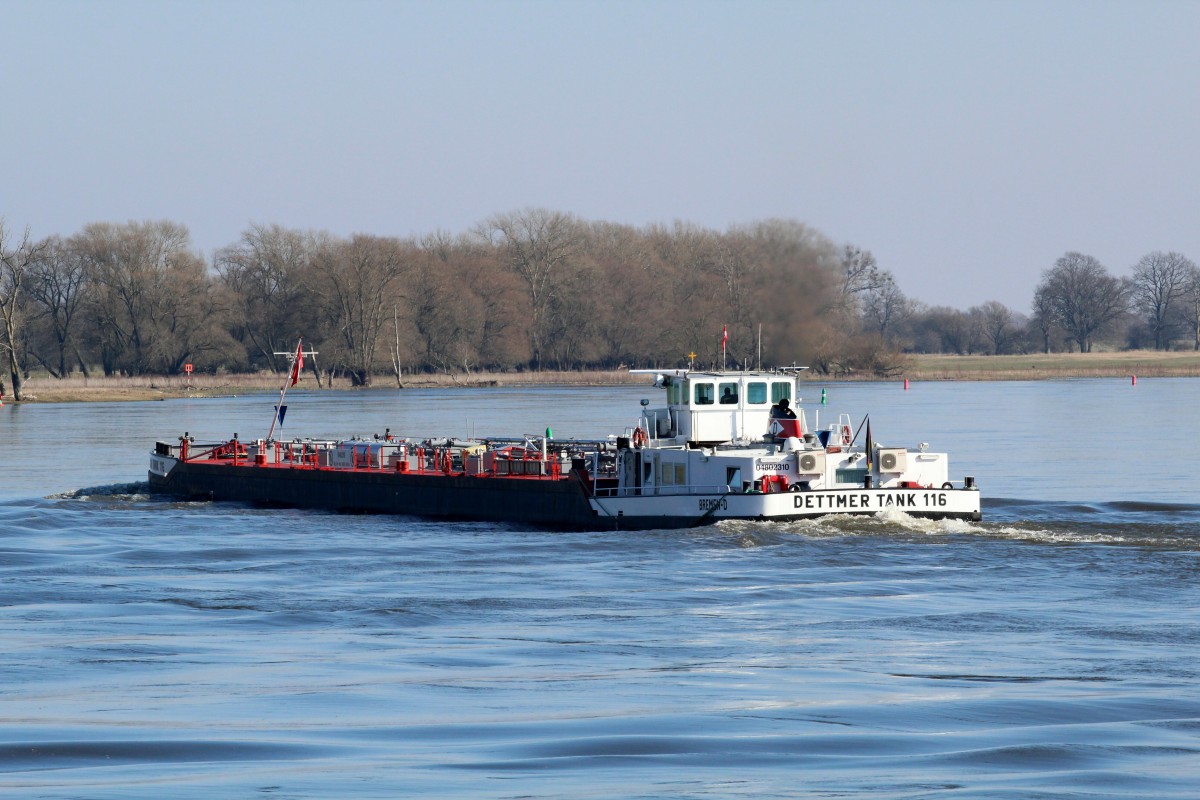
[(156, 648)]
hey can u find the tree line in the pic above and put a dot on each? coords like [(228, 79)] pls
[(528, 289), (1077, 304)]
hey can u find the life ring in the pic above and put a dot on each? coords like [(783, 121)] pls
[(947, 485), (846, 434), (639, 437)]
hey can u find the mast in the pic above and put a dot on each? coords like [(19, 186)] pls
[(292, 379)]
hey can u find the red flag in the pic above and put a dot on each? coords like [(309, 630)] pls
[(724, 335), (297, 364)]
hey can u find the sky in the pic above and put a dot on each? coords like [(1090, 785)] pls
[(968, 145)]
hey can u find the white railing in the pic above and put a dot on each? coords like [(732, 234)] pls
[(653, 491)]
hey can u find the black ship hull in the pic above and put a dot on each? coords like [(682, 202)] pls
[(546, 503)]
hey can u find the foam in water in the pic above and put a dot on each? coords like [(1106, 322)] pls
[(137, 491)]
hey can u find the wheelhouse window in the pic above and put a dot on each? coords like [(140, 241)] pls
[(674, 393), (705, 396), (729, 394), (756, 393), (780, 390)]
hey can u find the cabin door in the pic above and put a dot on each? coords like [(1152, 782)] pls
[(648, 473), (630, 472)]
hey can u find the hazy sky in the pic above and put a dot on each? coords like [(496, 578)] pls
[(967, 144)]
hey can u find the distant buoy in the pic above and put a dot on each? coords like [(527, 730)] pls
[(1134, 380), (906, 384), (822, 397)]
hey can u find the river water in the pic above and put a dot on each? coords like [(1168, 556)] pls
[(154, 648)]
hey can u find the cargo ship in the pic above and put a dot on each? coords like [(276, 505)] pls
[(724, 445)]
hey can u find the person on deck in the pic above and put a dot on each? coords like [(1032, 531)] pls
[(781, 411)]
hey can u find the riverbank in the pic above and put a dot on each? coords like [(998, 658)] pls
[(1039, 366), (1142, 363), (118, 388)]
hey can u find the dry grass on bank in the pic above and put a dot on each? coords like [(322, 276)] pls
[(1142, 363), (77, 388), (1038, 366)]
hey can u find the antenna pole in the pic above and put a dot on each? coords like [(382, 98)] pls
[(290, 380)]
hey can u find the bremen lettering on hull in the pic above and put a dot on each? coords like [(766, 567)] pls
[(719, 445)]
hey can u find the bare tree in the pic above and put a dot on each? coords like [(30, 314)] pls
[(996, 325), (686, 253), (960, 333), (59, 286), (267, 274), (14, 270), (464, 307), (627, 326), (737, 267), (942, 329), (1191, 299), (1086, 299), (859, 274), (448, 315), (132, 266), (869, 353), (360, 280), (794, 284), (394, 350), (885, 306), (536, 243), (1045, 316), (1159, 282), (192, 322), (571, 321)]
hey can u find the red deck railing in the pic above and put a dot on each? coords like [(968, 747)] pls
[(432, 460)]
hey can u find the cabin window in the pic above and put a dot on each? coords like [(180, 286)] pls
[(704, 394), (780, 390), (756, 393), (674, 393), (733, 478), (670, 474), (729, 394)]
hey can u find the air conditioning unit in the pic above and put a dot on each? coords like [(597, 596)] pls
[(810, 462), (893, 459)]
